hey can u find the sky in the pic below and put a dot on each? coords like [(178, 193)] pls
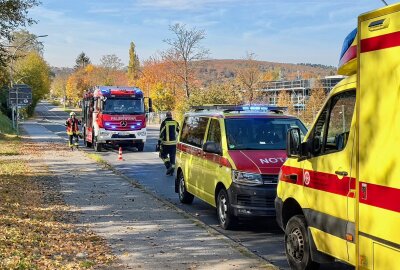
[(290, 31)]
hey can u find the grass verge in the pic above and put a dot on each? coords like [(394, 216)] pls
[(6, 125), (98, 159), (36, 227)]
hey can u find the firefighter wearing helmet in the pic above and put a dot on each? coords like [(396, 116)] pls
[(167, 143), (72, 125)]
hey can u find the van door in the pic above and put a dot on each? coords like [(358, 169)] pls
[(378, 172), (327, 174), (212, 169), (192, 136)]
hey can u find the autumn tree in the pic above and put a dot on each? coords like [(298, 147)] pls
[(284, 100), (134, 64), (314, 103), (82, 61), (163, 98), (156, 70), (13, 15), (225, 93), (34, 71), (76, 86), (185, 49), (248, 77), (58, 86), (270, 75)]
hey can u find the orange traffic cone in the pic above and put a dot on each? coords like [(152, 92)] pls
[(120, 154)]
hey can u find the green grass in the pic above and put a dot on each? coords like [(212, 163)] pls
[(6, 125), (98, 159)]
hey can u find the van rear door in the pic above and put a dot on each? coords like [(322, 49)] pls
[(378, 172)]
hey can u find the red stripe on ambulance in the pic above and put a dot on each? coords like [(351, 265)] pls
[(380, 42)]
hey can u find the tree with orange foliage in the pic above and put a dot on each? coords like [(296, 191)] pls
[(249, 77), (158, 79), (284, 100), (314, 103)]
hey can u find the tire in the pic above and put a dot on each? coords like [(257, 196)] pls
[(184, 196), (85, 142), (97, 146), (224, 211), (297, 245), (140, 147)]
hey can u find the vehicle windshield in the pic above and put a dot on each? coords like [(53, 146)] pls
[(260, 133), (123, 106)]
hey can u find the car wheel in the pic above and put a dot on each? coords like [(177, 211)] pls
[(184, 196), (297, 245), (97, 146), (224, 212), (85, 142)]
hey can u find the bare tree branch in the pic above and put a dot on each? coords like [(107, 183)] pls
[(185, 50)]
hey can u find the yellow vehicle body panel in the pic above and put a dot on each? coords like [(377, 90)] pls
[(378, 115), (326, 241), (369, 210)]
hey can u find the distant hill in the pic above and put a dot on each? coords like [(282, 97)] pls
[(220, 70), (225, 69)]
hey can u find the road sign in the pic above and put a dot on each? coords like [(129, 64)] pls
[(21, 94)]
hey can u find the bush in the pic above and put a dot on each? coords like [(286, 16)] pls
[(6, 125)]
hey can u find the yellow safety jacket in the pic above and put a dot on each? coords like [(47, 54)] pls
[(169, 132)]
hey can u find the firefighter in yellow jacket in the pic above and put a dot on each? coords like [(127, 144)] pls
[(167, 143), (72, 125)]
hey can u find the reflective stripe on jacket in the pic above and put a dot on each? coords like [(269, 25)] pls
[(72, 126), (169, 132)]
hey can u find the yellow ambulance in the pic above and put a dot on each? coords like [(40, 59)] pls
[(338, 195), (230, 156)]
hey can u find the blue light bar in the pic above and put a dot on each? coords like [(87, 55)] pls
[(347, 42), (105, 91)]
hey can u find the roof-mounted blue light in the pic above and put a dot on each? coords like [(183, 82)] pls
[(347, 42)]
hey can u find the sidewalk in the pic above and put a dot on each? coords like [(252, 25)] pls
[(142, 231)]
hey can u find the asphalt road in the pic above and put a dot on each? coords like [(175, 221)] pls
[(262, 237)]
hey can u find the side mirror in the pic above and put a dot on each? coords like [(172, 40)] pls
[(212, 147), (293, 142), (316, 145)]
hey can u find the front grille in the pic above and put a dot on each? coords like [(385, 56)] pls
[(270, 179), (255, 201)]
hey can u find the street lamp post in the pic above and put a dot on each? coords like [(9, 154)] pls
[(15, 108)]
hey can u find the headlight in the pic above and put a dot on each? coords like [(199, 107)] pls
[(249, 179), (103, 133), (141, 133)]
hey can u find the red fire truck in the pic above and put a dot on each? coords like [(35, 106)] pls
[(114, 115)]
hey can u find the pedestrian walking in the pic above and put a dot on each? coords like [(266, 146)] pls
[(169, 130), (72, 125)]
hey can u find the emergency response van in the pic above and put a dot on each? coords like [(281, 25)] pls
[(230, 156), (338, 194)]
